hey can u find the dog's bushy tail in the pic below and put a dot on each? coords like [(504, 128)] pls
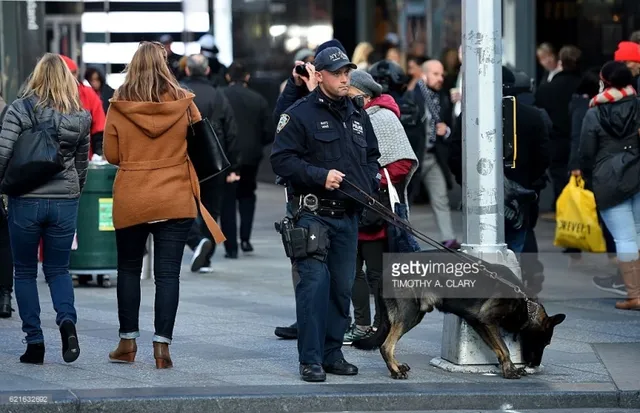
[(374, 341)]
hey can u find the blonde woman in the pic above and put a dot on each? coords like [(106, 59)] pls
[(50, 211), (361, 55), (156, 191)]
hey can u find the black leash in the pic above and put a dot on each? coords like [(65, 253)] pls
[(393, 219)]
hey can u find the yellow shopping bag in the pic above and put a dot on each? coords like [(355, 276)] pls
[(577, 223)]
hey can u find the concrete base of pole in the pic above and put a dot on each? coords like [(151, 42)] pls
[(462, 348), (487, 369)]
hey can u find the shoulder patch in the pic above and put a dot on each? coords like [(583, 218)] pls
[(284, 119)]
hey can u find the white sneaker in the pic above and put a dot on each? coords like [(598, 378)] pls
[(200, 254)]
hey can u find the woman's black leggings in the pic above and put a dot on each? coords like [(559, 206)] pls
[(369, 252)]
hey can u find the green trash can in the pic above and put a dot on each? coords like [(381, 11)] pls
[(96, 254)]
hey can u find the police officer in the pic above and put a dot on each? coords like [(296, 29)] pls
[(320, 140)]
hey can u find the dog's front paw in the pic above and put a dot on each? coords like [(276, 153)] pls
[(399, 375), (522, 371), (509, 371)]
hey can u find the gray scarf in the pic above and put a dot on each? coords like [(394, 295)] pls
[(392, 140)]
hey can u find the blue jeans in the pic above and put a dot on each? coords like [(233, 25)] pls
[(323, 295), (54, 221), (169, 240), (623, 221)]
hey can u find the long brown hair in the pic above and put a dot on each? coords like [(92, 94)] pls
[(53, 84), (148, 76)]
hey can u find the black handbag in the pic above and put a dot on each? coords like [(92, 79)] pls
[(36, 157), (204, 149)]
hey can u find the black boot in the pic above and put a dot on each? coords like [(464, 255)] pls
[(70, 347), (34, 354), (5, 304)]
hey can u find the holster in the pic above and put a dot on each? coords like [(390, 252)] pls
[(299, 242)]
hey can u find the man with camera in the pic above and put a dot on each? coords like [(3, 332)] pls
[(301, 82), (320, 140)]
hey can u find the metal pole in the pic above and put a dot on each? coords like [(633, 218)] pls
[(483, 176)]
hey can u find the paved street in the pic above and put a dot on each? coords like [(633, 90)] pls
[(227, 358)]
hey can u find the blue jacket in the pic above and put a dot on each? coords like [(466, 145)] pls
[(315, 135)]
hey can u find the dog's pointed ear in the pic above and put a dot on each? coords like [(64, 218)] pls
[(555, 320)]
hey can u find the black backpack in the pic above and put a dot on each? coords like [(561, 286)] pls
[(36, 157)]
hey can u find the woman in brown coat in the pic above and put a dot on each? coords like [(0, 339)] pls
[(156, 191)]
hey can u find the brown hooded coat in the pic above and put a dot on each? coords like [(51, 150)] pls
[(155, 180)]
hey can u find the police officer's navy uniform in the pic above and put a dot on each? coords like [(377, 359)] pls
[(315, 135)]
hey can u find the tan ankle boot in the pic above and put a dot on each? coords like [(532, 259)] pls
[(162, 356), (631, 276), (125, 352)]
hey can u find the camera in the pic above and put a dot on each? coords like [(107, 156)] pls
[(302, 71)]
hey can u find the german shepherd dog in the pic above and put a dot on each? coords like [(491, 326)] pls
[(523, 317)]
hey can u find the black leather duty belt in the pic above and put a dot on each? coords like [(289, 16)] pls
[(322, 207)]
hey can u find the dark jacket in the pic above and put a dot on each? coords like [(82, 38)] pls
[(533, 154), (288, 97), (253, 119), (213, 105), (554, 97), (316, 135), (441, 147), (609, 151), (577, 111), (73, 133)]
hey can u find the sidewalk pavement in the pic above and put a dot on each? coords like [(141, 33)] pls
[(227, 358)]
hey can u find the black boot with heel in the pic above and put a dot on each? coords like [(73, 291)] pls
[(34, 354), (70, 346)]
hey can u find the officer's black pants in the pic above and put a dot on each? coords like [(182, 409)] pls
[(6, 260), (323, 295)]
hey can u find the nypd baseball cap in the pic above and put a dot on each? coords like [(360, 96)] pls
[(332, 59)]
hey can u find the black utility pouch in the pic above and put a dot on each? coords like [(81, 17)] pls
[(298, 238), (294, 240), (318, 242)]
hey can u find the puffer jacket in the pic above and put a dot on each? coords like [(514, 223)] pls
[(609, 150), (73, 134)]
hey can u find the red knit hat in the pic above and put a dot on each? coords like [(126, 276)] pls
[(71, 64), (627, 52)]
